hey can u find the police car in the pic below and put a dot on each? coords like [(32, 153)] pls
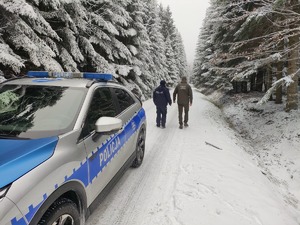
[(63, 144)]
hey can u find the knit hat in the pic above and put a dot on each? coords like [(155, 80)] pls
[(163, 83)]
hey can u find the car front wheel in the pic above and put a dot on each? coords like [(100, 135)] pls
[(62, 212), (140, 149)]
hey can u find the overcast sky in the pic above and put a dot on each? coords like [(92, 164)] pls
[(188, 16)]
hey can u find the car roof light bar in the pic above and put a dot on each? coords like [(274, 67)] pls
[(70, 75), (37, 73), (98, 76)]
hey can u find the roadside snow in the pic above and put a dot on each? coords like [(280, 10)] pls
[(207, 174), (275, 137)]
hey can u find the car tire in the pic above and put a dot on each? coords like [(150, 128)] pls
[(140, 149), (62, 212)]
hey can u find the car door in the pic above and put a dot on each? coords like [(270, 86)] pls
[(102, 149), (127, 112)]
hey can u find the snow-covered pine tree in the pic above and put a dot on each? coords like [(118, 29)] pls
[(8, 59), (170, 35), (207, 75), (180, 55), (107, 28), (67, 19), (26, 32), (276, 32), (249, 40), (89, 60), (157, 44), (121, 37), (171, 62), (140, 42)]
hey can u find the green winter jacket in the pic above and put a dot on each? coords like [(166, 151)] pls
[(184, 92)]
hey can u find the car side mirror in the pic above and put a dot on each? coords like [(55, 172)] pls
[(108, 125)]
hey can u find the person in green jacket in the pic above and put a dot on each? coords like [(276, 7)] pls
[(184, 94)]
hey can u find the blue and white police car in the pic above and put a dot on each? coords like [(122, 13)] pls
[(63, 144)]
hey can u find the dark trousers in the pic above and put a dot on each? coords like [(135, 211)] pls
[(161, 115), (182, 108)]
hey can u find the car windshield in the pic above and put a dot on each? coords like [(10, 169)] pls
[(38, 111)]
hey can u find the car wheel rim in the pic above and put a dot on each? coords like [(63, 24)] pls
[(141, 147), (64, 220)]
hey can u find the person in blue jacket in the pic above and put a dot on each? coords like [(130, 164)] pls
[(161, 98)]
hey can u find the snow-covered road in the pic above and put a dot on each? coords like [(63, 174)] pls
[(186, 180)]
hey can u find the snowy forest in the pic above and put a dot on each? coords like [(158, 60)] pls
[(135, 40), (250, 45), (243, 45)]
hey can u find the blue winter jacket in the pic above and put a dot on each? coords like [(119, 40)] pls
[(161, 96)]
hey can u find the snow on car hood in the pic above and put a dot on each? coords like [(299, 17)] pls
[(18, 156)]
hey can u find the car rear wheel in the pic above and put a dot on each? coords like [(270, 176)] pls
[(140, 149), (62, 212)]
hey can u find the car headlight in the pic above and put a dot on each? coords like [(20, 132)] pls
[(3, 191)]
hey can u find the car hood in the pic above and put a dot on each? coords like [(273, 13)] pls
[(17, 157)]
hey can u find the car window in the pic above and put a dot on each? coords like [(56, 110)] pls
[(101, 105), (33, 111), (124, 98)]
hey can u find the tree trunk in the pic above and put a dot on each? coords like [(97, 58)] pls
[(253, 83), (259, 81), (292, 89), (268, 81), (278, 71)]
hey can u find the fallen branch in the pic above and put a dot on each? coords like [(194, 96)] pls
[(213, 145)]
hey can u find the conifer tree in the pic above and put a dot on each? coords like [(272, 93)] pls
[(68, 20), (171, 39), (180, 55), (248, 39), (140, 42), (157, 44), (171, 62), (26, 33), (107, 25), (122, 37), (205, 71)]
